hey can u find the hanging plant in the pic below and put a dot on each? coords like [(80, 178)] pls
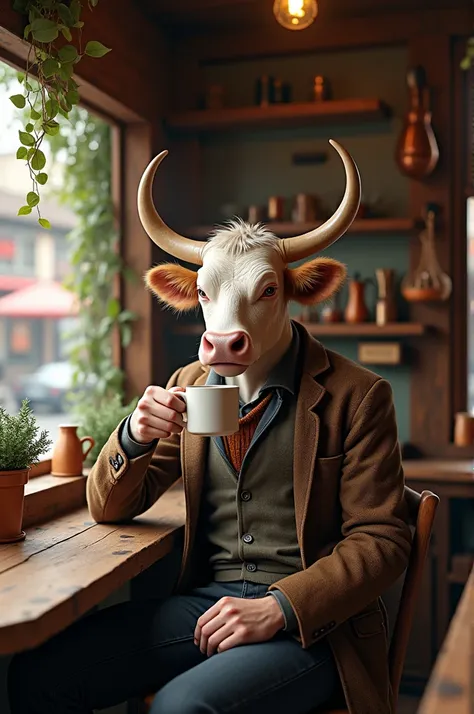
[(54, 32)]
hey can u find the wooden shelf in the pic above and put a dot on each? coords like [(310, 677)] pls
[(371, 226), (279, 115), (341, 329)]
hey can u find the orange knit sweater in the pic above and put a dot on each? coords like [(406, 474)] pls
[(236, 445)]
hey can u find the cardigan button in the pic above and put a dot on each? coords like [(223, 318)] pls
[(247, 538), (251, 567), (245, 496)]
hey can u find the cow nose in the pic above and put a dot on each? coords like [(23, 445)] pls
[(228, 347)]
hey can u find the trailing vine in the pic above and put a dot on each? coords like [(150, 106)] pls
[(52, 59), (84, 147)]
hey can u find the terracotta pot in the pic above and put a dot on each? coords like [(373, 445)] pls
[(12, 494), (68, 455)]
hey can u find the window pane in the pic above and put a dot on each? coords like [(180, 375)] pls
[(36, 310)]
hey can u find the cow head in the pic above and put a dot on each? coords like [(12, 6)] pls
[(244, 283)]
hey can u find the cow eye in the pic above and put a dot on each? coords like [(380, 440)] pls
[(202, 294), (270, 291)]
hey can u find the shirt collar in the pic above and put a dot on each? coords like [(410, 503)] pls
[(284, 375)]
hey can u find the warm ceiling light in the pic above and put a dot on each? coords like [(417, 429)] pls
[(295, 14)]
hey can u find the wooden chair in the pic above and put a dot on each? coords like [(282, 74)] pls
[(422, 510)]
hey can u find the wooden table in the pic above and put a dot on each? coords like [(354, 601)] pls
[(451, 686), (69, 564)]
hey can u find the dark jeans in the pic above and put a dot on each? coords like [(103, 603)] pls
[(137, 648)]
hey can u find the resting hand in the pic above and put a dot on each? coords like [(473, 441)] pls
[(235, 621)]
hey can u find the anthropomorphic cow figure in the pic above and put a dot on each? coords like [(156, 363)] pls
[(295, 525)]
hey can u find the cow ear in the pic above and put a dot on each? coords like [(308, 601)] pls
[(174, 285), (315, 281)]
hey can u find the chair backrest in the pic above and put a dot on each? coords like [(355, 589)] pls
[(422, 510)]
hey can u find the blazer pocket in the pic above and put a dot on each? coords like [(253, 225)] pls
[(368, 624), (330, 464)]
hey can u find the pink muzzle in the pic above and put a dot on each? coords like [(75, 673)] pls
[(225, 348)]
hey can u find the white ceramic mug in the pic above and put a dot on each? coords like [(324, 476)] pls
[(211, 410)]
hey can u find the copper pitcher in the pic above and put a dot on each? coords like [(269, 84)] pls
[(68, 453), (356, 309)]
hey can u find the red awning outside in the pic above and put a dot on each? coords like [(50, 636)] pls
[(43, 299), (15, 282)]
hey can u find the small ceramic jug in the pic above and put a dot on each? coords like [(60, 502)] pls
[(68, 455)]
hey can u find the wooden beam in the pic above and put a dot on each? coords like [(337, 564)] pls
[(355, 32)]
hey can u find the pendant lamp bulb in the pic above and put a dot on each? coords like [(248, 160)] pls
[(295, 14)]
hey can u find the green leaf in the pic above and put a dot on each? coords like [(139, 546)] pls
[(113, 308), (20, 77), (50, 67), (35, 115), (94, 3), (44, 223), (52, 108), (66, 32), (29, 127), (51, 127), (465, 63), (126, 316), (21, 153), (32, 199), (30, 153), (96, 49), (26, 32), (75, 9), (72, 96), (44, 30), (26, 138), (42, 178), (66, 70), (38, 160), (126, 331), (18, 100), (68, 53), (24, 211), (65, 14), (79, 24)]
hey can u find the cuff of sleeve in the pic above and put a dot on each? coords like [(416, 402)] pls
[(291, 622), (131, 447)]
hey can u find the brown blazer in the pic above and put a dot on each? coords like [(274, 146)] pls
[(351, 516)]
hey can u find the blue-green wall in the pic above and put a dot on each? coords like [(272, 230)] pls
[(242, 168)]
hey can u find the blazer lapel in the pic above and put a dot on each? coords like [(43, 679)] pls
[(193, 460), (307, 430)]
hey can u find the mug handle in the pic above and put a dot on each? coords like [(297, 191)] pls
[(182, 395), (92, 444)]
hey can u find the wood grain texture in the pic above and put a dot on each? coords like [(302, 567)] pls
[(49, 496), (278, 115), (450, 689), (70, 564)]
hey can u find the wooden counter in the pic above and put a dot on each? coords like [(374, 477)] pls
[(451, 686), (70, 563)]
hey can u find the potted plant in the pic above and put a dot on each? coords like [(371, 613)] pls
[(20, 447)]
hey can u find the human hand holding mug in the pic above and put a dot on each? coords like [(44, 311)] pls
[(205, 410)]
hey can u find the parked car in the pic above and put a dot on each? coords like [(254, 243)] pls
[(47, 387)]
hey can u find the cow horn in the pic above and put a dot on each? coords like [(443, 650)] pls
[(303, 246), (173, 243)]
